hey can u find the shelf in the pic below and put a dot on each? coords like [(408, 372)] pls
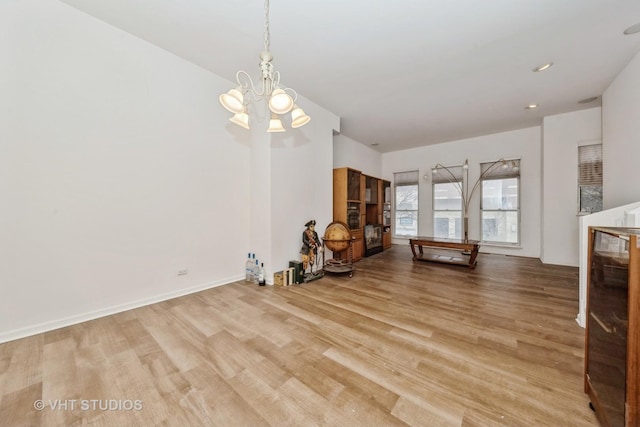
[(358, 200), (611, 371)]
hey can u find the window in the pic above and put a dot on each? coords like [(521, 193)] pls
[(406, 203), (500, 201), (590, 178), (447, 202)]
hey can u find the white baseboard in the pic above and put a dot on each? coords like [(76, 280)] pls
[(581, 320), (107, 311)]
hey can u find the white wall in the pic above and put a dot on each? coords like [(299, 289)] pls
[(562, 134), (301, 183), (608, 218), (118, 168), (621, 154), (115, 172), (350, 153), (621, 137), (524, 144)]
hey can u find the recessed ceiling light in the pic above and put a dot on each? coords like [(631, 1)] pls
[(633, 29), (542, 67), (588, 100), (531, 106)]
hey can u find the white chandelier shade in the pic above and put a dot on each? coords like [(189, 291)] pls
[(279, 100), (275, 125), (241, 119), (233, 101), (298, 117)]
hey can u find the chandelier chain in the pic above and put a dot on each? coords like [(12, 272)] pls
[(266, 26)]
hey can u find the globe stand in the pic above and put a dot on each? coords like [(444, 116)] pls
[(338, 239)]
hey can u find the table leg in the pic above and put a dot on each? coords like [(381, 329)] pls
[(472, 258)]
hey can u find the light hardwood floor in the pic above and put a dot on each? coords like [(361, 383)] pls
[(400, 343)]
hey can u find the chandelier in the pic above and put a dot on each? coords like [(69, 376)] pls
[(280, 100)]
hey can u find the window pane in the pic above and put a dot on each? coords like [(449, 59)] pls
[(500, 194), (590, 198), (447, 224), (406, 223), (446, 197), (406, 212), (407, 197), (500, 226)]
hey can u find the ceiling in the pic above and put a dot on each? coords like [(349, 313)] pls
[(403, 73)]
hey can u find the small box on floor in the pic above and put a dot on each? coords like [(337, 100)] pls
[(278, 279)]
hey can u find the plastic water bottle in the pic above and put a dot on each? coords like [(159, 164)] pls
[(256, 272), (248, 268)]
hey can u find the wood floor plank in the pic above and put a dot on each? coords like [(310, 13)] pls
[(401, 343), (24, 356), (14, 411)]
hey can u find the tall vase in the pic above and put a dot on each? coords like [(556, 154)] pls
[(465, 229)]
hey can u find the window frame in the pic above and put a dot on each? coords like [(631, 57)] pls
[(590, 174), (401, 180), (450, 175), (498, 173)]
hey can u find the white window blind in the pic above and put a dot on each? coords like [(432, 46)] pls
[(405, 178), (590, 164), (442, 176), (500, 170)]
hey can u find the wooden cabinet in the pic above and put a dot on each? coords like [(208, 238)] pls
[(346, 197), (348, 205), (373, 213), (360, 200), (358, 245), (386, 213), (612, 344)]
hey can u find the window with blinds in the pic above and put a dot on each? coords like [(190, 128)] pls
[(590, 178), (406, 203), (447, 202), (500, 201)]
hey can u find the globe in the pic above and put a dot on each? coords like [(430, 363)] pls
[(337, 236)]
